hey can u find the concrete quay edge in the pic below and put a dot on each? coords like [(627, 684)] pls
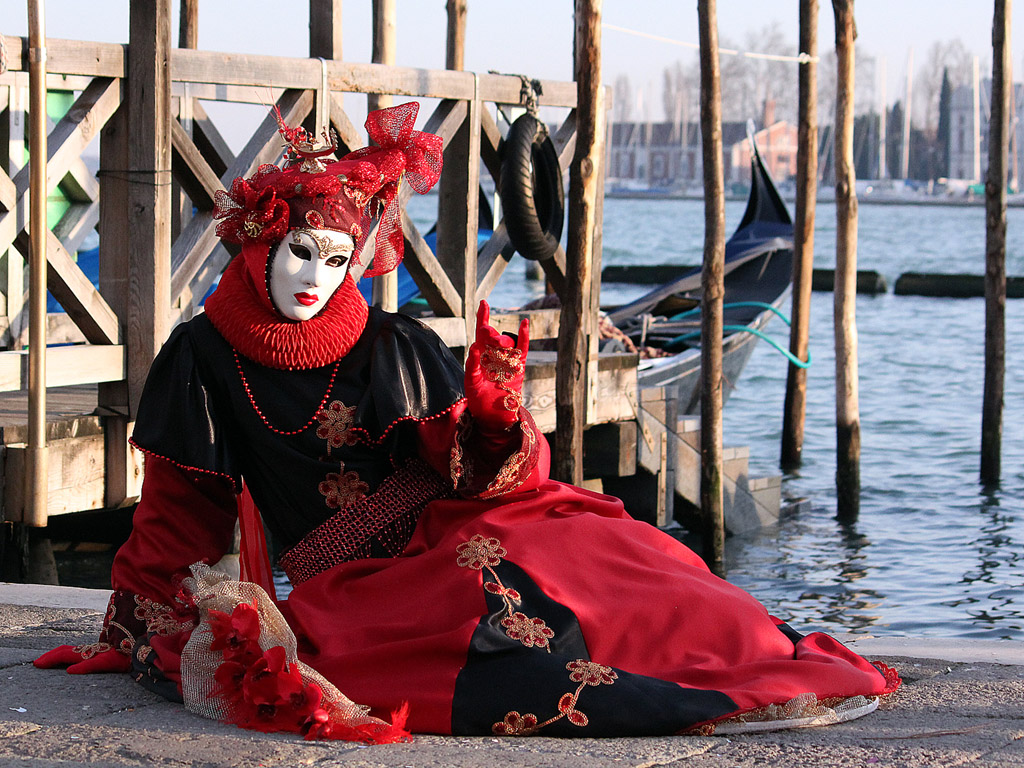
[(964, 708), (939, 648)]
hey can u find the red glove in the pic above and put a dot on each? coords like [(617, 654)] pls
[(494, 373), (84, 660)]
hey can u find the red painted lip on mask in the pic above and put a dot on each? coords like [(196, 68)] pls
[(307, 299)]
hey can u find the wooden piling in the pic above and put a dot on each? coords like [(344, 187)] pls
[(149, 188), (385, 14), (712, 280), (113, 398), (385, 287), (577, 310), (845, 294), (995, 245), (795, 406), (37, 465), (325, 29), (188, 24), (455, 51)]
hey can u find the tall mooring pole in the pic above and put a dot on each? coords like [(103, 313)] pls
[(577, 313), (37, 469), (845, 307), (325, 25), (455, 50), (995, 245), (795, 407), (712, 277), (385, 44), (188, 24)]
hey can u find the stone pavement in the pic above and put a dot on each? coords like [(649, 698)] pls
[(962, 704)]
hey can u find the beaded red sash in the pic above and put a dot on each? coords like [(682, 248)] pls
[(387, 518)]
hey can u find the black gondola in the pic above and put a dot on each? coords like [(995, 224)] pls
[(758, 279)]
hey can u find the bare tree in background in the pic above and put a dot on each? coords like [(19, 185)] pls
[(943, 55), (739, 86), (622, 103), (865, 97), (748, 82)]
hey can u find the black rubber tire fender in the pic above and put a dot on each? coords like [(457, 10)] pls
[(532, 196)]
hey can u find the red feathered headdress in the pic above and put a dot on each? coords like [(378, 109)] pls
[(345, 195)]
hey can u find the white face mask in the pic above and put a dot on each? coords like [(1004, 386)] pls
[(308, 267)]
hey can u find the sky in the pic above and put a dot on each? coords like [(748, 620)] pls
[(534, 37)]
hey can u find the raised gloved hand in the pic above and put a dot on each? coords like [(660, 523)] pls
[(494, 373), (85, 659)]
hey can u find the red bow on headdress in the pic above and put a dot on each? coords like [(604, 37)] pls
[(400, 152)]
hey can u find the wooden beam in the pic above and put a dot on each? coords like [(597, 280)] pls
[(451, 330), (543, 322), (385, 12), (446, 119), (76, 293), (455, 49), (845, 296), (79, 126), (79, 184), (188, 24), (795, 405), (995, 244), (75, 225), (72, 57), (492, 261), (65, 144), (66, 366), (225, 94), (350, 137), (191, 249), (208, 140), (282, 72), (593, 396), (149, 191), (325, 28), (565, 141), (554, 270), (457, 212), (571, 385), (490, 140), (112, 397), (712, 283), (8, 192), (191, 170), (428, 273)]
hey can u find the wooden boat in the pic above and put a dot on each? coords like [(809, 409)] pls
[(758, 279)]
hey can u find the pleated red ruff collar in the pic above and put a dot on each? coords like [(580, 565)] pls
[(262, 335)]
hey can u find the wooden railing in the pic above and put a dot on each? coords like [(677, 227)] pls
[(159, 253)]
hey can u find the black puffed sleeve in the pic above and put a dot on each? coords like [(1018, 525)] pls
[(178, 418), (412, 375)]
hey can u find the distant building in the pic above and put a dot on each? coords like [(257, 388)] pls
[(668, 155), (962, 134)]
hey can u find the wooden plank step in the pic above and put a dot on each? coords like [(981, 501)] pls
[(749, 503)]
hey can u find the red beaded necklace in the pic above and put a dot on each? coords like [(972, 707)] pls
[(263, 418)]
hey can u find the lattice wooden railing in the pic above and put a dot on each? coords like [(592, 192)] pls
[(120, 321)]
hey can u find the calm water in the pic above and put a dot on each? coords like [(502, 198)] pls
[(932, 553)]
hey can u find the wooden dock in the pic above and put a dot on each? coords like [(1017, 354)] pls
[(163, 158)]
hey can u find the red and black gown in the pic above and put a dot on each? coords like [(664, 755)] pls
[(438, 566)]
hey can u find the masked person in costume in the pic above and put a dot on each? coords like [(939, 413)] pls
[(440, 580)]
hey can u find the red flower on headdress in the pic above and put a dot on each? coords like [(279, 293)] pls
[(251, 212)]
